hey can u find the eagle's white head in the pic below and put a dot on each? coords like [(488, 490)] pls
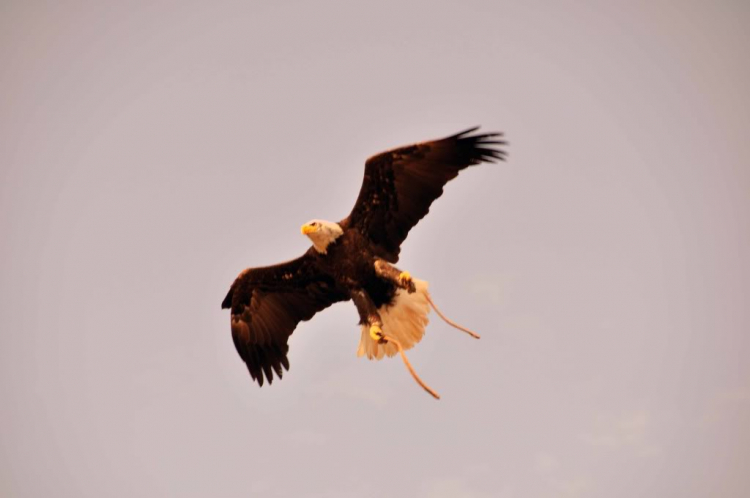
[(322, 233)]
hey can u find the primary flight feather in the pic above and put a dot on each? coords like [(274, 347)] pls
[(353, 259)]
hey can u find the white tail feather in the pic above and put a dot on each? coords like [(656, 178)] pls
[(405, 320)]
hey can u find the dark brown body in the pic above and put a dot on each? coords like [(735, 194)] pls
[(350, 262)]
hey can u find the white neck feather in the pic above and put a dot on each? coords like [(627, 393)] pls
[(325, 235)]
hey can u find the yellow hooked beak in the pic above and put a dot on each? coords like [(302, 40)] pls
[(307, 228)]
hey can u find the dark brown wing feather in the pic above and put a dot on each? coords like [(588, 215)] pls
[(400, 185), (268, 303)]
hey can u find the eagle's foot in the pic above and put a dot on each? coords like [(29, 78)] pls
[(404, 278), (377, 334)]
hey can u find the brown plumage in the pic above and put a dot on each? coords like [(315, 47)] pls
[(398, 188), (401, 184), (267, 304)]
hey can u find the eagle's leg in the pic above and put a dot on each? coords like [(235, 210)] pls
[(368, 314), (401, 279)]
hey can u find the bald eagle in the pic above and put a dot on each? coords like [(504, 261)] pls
[(354, 259)]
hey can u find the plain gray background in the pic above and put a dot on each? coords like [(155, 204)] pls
[(151, 150)]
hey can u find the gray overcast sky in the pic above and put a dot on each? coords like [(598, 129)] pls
[(151, 150)]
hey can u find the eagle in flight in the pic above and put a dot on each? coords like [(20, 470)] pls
[(354, 259)]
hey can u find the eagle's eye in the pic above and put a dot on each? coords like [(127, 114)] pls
[(314, 223)]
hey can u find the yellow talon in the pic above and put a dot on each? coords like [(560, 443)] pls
[(405, 281), (376, 333)]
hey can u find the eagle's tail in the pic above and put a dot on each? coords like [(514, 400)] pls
[(404, 320)]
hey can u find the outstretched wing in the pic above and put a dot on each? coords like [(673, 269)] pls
[(268, 303), (401, 184)]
